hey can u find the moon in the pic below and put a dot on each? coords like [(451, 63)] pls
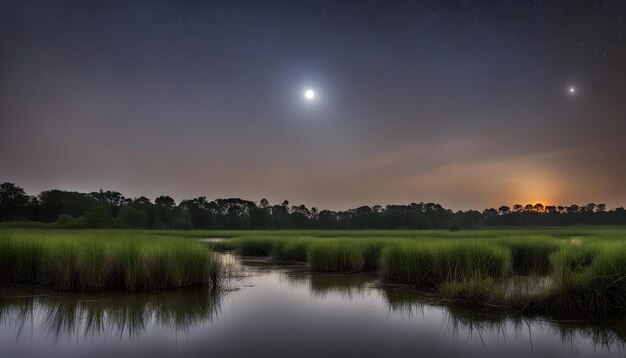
[(571, 90), (309, 94)]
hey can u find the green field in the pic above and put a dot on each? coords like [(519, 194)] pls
[(568, 270)]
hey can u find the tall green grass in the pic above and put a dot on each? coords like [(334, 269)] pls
[(94, 261), (545, 269), (568, 270), (292, 250), (323, 254), (336, 256), (256, 246), (589, 278), (530, 254), (434, 264)]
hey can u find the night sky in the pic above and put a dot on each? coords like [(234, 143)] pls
[(463, 103)]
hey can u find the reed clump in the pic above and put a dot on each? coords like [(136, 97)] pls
[(94, 261), (530, 255), (295, 249), (336, 256), (566, 270), (256, 246), (437, 263), (474, 291), (589, 278)]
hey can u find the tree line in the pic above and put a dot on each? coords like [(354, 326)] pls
[(111, 209)]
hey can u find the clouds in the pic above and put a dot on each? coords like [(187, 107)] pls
[(418, 102)]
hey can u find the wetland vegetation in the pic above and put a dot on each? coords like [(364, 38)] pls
[(99, 260), (269, 299), (564, 272)]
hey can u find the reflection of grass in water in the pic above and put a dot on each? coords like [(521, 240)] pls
[(345, 285), (480, 323), (404, 301), (322, 285), (454, 319), (604, 337), (16, 315), (121, 315)]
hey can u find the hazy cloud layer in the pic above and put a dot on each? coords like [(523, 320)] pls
[(464, 105)]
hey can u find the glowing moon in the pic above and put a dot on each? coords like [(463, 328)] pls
[(572, 90), (309, 94)]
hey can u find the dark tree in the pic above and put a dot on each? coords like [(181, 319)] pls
[(54, 203), (13, 201), (111, 197), (110, 209), (165, 201), (503, 210)]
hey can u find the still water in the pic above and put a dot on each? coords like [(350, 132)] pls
[(269, 310)]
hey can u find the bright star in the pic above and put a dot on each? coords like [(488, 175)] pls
[(572, 90)]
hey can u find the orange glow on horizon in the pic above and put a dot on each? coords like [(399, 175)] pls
[(537, 189)]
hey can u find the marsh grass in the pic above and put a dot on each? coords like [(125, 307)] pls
[(257, 246), (473, 291), (567, 270), (292, 250), (530, 255), (434, 264), (336, 256), (590, 278), (94, 261)]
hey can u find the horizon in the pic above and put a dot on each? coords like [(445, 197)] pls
[(371, 205)]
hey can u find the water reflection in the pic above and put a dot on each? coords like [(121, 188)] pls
[(455, 320), (284, 310), (119, 315), (320, 286), (607, 336)]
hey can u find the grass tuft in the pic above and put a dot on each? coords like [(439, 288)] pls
[(94, 261), (335, 256), (434, 264)]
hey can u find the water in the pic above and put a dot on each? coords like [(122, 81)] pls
[(282, 311)]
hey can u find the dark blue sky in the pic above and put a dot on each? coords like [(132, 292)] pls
[(463, 103)]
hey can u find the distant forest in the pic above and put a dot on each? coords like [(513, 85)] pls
[(110, 209)]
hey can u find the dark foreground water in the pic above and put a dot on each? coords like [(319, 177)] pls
[(280, 311)]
